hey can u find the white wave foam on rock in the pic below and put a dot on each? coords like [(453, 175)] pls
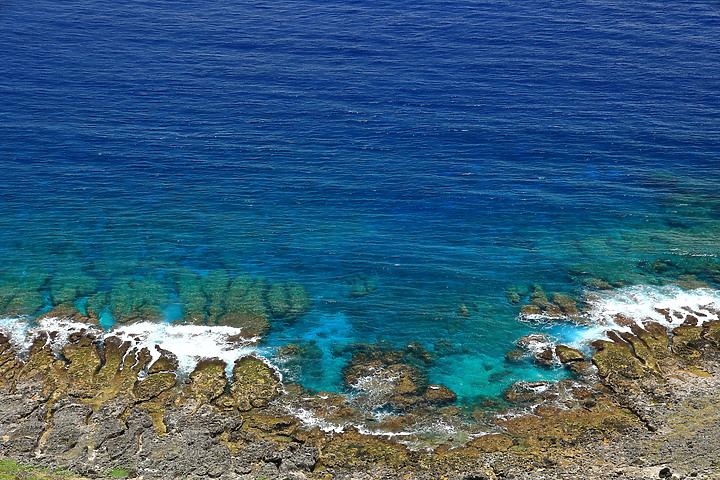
[(190, 343), (669, 305), (373, 391)]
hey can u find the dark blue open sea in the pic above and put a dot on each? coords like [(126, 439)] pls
[(404, 163)]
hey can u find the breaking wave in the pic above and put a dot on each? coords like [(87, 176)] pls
[(189, 343), (618, 310)]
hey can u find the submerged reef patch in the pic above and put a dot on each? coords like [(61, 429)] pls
[(217, 297)]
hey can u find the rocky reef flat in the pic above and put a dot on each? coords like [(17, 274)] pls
[(643, 405)]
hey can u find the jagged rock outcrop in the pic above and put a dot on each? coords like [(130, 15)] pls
[(98, 405), (94, 408)]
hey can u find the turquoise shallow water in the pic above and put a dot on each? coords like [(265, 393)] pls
[(405, 163)]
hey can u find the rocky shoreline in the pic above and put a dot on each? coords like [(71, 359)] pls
[(645, 405)]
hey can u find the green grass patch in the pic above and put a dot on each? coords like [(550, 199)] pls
[(11, 470), (119, 473)]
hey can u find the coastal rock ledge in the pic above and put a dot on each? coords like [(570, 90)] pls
[(649, 409)]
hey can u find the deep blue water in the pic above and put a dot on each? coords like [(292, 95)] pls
[(443, 150)]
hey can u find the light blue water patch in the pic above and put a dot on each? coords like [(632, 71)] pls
[(172, 312), (578, 336), (476, 374), (330, 333), (81, 304), (105, 318)]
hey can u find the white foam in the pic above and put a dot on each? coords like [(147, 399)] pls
[(190, 343), (22, 334), (310, 419), (373, 390), (643, 304), (617, 310), (537, 344)]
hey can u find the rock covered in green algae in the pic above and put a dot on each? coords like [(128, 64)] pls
[(154, 385), (69, 282), (288, 300), (515, 355), (567, 304), (361, 286), (119, 370), (9, 363), (562, 307), (350, 449), (254, 383), (20, 292), (493, 442), (207, 381), (564, 413), (160, 435), (41, 360), (688, 341), (245, 306), (568, 354), (616, 358), (84, 361)]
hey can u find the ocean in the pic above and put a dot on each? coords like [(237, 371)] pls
[(380, 171)]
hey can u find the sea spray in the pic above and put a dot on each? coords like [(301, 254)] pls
[(190, 343), (619, 309), (668, 305)]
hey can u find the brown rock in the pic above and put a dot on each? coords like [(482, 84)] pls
[(687, 342), (439, 395), (545, 357), (254, 384), (567, 304), (582, 368), (405, 402), (531, 310), (567, 354), (207, 382), (493, 442), (524, 392), (616, 358)]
